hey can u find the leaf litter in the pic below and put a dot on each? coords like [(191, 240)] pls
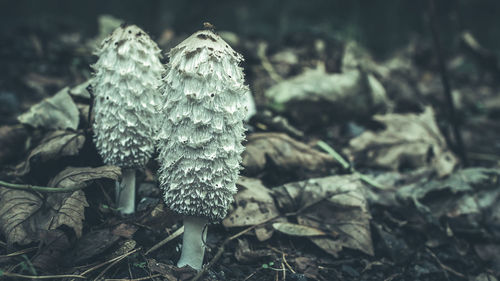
[(298, 211)]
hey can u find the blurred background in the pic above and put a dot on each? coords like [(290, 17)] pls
[(380, 25)]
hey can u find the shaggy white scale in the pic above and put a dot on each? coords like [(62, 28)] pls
[(127, 77), (201, 135), (200, 139)]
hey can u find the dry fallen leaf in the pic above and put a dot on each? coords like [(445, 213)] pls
[(254, 205), (315, 94), (56, 112), (466, 199), (297, 229), (333, 205), (55, 145), (24, 216), (284, 152), (16, 214), (408, 141)]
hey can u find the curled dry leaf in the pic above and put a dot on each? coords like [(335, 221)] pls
[(82, 175), (333, 205), (24, 216), (466, 199), (254, 205), (16, 215), (408, 141), (285, 152), (55, 145), (56, 112), (315, 94)]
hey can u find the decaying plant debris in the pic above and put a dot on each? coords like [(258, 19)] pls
[(350, 173)]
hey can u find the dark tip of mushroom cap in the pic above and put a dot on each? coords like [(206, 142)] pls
[(208, 26), (123, 25), (206, 36)]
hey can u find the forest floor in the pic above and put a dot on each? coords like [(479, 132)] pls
[(352, 168)]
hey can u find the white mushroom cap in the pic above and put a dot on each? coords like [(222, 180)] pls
[(202, 130), (127, 77)]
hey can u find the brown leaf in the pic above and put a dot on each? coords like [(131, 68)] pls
[(315, 95), (70, 208), (55, 145), (16, 207), (466, 199), (297, 229), (408, 141), (24, 216), (254, 205), (334, 205), (56, 112), (73, 176), (125, 230), (285, 152)]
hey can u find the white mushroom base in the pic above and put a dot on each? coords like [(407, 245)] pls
[(193, 242), (125, 192)]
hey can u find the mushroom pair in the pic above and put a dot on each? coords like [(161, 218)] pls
[(195, 116)]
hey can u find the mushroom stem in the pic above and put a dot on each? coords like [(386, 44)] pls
[(193, 248), (125, 192)]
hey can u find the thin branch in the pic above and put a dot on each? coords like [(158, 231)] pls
[(137, 279), (119, 258), (446, 83), (172, 236), (29, 187), (15, 275)]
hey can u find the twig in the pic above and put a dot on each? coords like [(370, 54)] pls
[(172, 236), (445, 267), (223, 245), (250, 276), (110, 261), (287, 265), (283, 269), (120, 258), (446, 83), (20, 252), (10, 274), (136, 279), (29, 187)]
